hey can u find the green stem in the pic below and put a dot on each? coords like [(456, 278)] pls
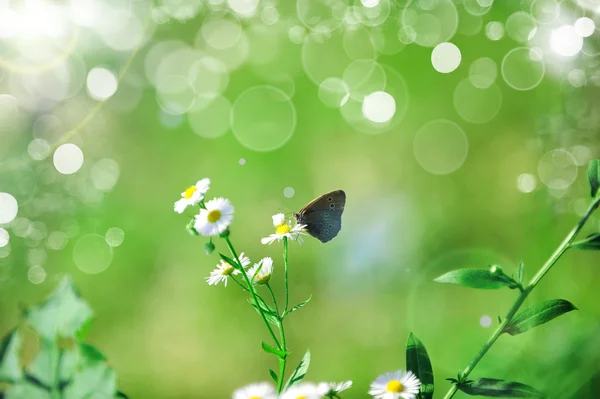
[(562, 248), (285, 265), (282, 362), (253, 293)]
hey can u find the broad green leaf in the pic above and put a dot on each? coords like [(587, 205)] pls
[(594, 176), (300, 305), (591, 242), (521, 272), (418, 362), (26, 390), (538, 314), (499, 389), (300, 371), (274, 351), (97, 380), (62, 314), (230, 261), (81, 356), (273, 376), (45, 364), (10, 364), (473, 278)]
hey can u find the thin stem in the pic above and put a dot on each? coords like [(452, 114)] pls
[(285, 266), (562, 248), (253, 293), (282, 362), (238, 283)]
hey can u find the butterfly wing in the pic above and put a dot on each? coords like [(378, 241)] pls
[(323, 216)]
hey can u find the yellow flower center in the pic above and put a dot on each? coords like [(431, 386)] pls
[(301, 397), (394, 386), (189, 192), (214, 216), (283, 228), (254, 397), (227, 272)]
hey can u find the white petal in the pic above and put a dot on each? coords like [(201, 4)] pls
[(278, 219)]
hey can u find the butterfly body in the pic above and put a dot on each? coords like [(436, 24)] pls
[(323, 215)]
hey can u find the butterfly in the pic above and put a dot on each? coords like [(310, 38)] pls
[(323, 215)]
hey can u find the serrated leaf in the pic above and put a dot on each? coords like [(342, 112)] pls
[(300, 371), (521, 272), (491, 387), (230, 261), (273, 376), (591, 242), (473, 278), (538, 314), (300, 305), (45, 364), (26, 390), (62, 314), (274, 351), (10, 363), (594, 176), (418, 362)]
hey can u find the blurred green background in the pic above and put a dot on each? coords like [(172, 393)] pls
[(468, 167)]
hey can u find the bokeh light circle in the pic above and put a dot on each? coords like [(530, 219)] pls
[(520, 26), (522, 69), (379, 107), (317, 48), (557, 169), (175, 94), (333, 92), (494, 30), (9, 207), (105, 174), (4, 237), (364, 77), (445, 57), (483, 72), (319, 15), (526, 183), (441, 147), (92, 254), (68, 159), (565, 41), (38, 149), (585, 27), (102, 83), (477, 105), (36, 274), (114, 236), (57, 240), (263, 118), (433, 24), (288, 192), (477, 7)]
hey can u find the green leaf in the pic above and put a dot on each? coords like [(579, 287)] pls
[(10, 364), (26, 390), (97, 380), (62, 314), (594, 176), (230, 261), (521, 272), (473, 278), (121, 395), (591, 242), (274, 351), (45, 364), (300, 305), (273, 376), (418, 362), (499, 389), (538, 314), (270, 314), (300, 371)]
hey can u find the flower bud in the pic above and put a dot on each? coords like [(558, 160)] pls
[(209, 247)]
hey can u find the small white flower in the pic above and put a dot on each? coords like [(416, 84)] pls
[(261, 390), (192, 195), (283, 228), (263, 275), (224, 270), (304, 390), (216, 218), (396, 385), (332, 389)]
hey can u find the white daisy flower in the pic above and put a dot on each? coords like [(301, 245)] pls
[(396, 385), (284, 228), (304, 390), (263, 275), (224, 270), (261, 390), (332, 389), (192, 195), (216, 218)]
